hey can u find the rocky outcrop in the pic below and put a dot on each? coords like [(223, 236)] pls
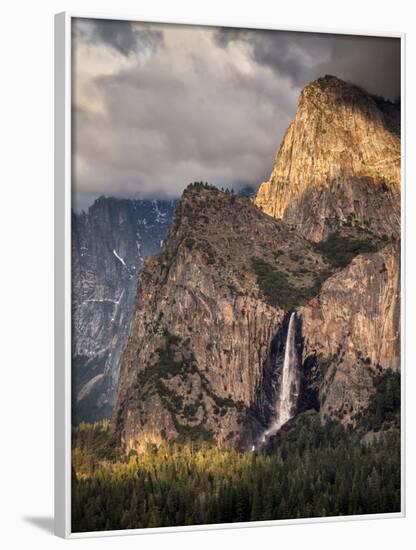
[(206, 316), (352, 331), (109, 243), (338, 168)]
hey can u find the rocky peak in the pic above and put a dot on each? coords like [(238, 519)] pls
[(338, 165), (329, 85), (209, 306)]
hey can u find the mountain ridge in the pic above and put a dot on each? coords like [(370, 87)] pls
[(339, 162)]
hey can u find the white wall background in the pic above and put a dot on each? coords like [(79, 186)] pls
[(26, 251)]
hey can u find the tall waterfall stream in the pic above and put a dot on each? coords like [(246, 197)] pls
[(288, 391)]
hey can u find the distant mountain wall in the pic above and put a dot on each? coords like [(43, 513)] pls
[(109, 244)]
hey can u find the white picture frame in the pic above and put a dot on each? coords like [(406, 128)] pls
[(63, 285)]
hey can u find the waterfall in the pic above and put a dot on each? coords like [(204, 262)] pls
[(288, 391)]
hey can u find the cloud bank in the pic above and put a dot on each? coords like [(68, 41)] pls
[(158, 106)]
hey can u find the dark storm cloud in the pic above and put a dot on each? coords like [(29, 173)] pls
[(189, 112), (370, 62), (286, 53), (124, 36), (209, 105)]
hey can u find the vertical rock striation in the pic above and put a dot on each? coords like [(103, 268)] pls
[(352, 329)]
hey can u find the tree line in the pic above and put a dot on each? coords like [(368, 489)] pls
[(312, 470)]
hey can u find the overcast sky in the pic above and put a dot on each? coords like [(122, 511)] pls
[(158, 106)]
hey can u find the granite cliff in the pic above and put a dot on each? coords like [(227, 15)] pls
[(207, 343), (351, 332), (338, 167), (109, 243), (208, 309)]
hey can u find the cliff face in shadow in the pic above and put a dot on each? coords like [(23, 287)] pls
[(109, 243)]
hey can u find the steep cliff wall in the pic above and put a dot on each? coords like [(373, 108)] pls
[(338, 168), (206, 317), (352, 329), (109, 243)]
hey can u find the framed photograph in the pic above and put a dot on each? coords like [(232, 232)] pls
[(229, 297)]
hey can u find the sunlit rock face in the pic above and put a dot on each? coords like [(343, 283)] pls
[(352, 328), (109, 243), (312, 266), (338, 168), (203, 327)]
